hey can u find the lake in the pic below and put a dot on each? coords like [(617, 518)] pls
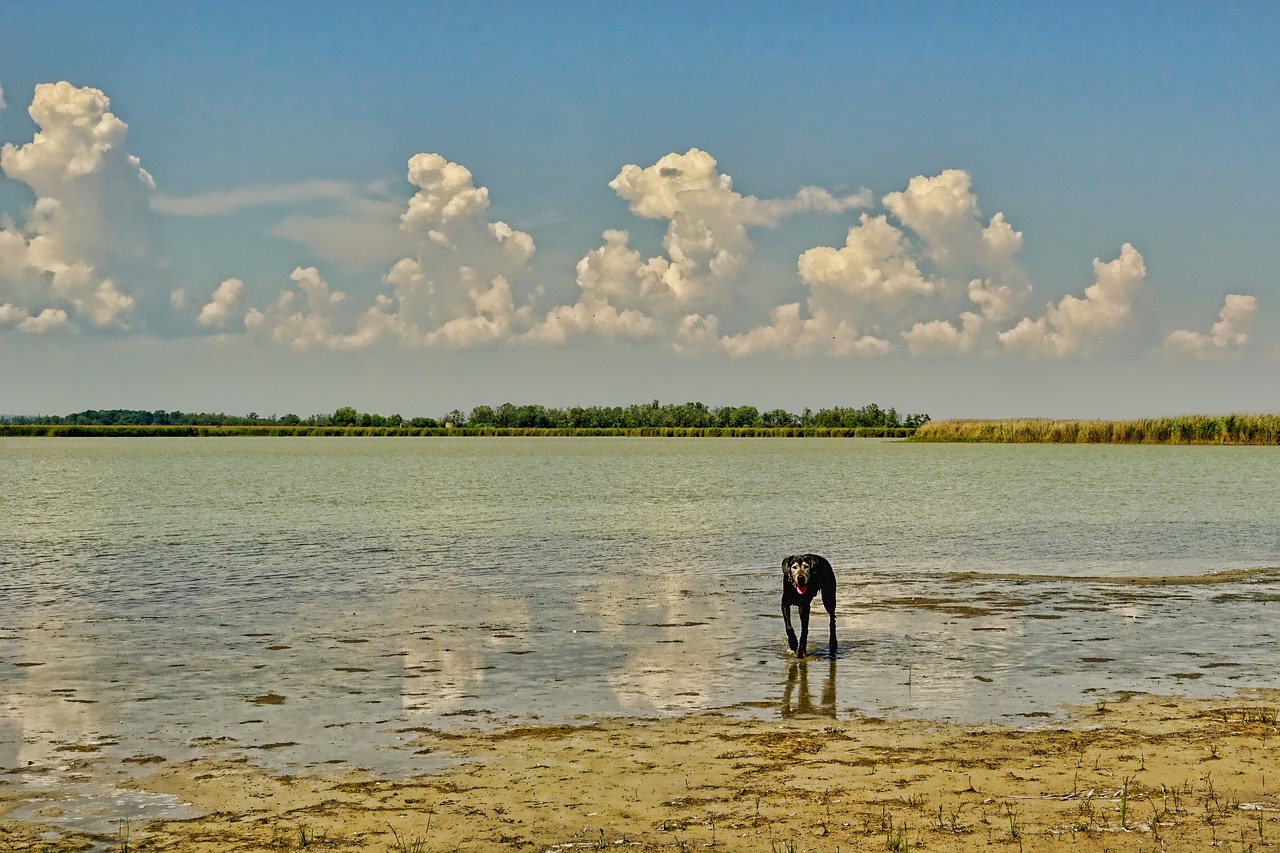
[(309, 601)]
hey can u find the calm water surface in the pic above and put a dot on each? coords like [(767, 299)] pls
[(309, 601)]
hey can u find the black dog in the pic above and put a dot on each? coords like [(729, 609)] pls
[(803, 577)]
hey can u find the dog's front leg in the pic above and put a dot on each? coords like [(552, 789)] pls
[(804, 629), (786, 617)]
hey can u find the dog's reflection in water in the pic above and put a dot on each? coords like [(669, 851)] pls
[(797, 697)]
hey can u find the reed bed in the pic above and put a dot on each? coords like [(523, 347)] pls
[(1186, 429), (147, 431)]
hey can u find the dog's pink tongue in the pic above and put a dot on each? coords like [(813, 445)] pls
[(800, 588)]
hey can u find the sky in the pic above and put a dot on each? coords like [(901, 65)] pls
[(965, 210)]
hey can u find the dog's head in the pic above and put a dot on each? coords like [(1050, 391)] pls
[(798, 570)]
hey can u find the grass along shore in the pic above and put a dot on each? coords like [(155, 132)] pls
[(1186, 429)]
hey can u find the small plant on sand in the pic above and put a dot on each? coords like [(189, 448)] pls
[(307, 836), (950, 821), (896, 838), (417, 844), (1015, 831)]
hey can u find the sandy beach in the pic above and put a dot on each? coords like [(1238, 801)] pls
[(1130, 773)]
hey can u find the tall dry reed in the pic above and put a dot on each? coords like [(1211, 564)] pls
[(1185, 429)]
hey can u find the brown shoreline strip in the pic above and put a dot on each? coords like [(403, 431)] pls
[(1136, 773)]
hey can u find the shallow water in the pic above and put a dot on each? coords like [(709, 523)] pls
[(308, 602)]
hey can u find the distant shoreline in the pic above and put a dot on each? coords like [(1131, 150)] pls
[(156, 431), (1253, 430)]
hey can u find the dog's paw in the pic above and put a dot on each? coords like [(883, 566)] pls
[(791, 640)]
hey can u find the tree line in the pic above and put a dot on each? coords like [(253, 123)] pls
[(511, 416)]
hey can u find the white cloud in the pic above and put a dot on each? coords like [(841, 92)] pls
[(225, 306), (944, 212), (874, 264), (454, 290), (789, 334), (997, 303), (491, 318), (1227, 337), (221, 203), (1077, 326), (625, 295), (89, 247), (930, 270), (886, 277), (874, 269), (302, 316), (619, 294), (2, 101), (445, 193), (48, 320)]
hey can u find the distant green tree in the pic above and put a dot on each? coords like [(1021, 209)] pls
[(482, 416), (779, 418), (346, 416), (737, 416)]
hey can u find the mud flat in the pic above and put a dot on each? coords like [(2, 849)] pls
[(1128, 773)]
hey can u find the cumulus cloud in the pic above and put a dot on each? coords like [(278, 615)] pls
[(944, 212), (48, 320), (89, 247), (446, 193), (997, 303), (875, 264), (2, 101), (887, 275), (225, 307), (453, 290), (928, 270), (789, 334), (1077, 326), (626, 295), (1227, 337), (302, 316)]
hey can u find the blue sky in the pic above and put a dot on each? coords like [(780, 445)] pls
[(968, 210)]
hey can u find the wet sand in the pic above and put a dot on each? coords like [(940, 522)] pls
[(1129, 773)]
